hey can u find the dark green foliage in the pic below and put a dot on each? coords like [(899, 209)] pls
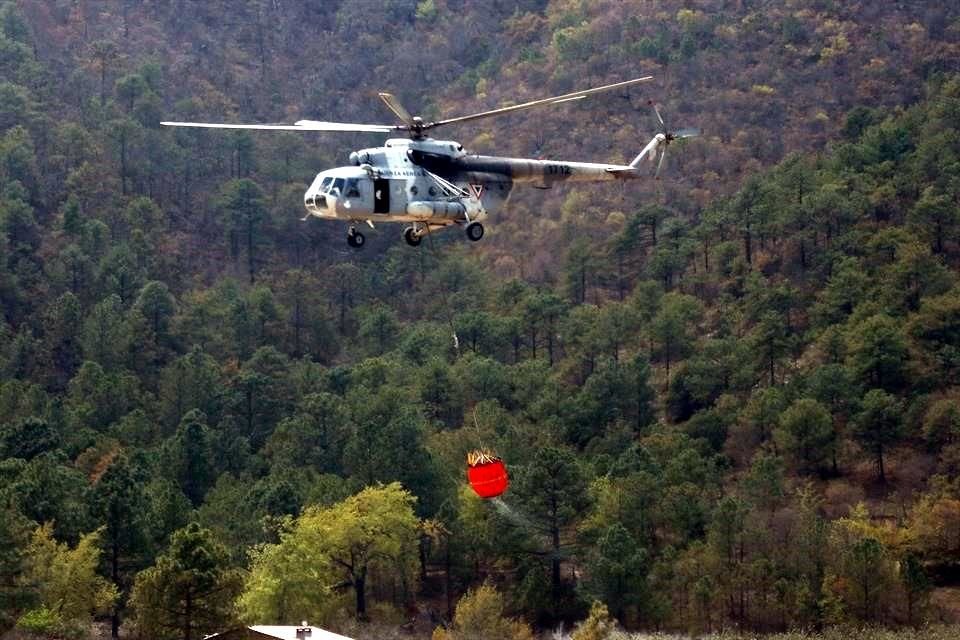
[(806, 432), (878, 352), (879, 425), (27, 438), (552, 491), (386, 444), (618, 568), (189, 592), (246, 217), (120, 504), (188, 457), (190, 382)]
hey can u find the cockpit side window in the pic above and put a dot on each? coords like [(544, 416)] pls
[(352, 188), (337, 188)]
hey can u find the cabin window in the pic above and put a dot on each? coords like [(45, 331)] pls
[(414, 191), (352, 188)]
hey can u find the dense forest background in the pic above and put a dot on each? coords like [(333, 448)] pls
[(727, 398)]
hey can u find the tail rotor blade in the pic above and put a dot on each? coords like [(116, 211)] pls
[(659, 117), (660, 164), (687, 132)]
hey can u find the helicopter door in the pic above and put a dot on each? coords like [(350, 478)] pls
[(381, 196)]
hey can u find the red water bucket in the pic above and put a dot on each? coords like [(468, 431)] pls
[(487, 475)]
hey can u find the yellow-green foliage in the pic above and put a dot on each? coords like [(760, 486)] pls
[(65, 580), (41, 620), (597, 626), (937, 632), (481, 615), (690, 18), (371, 533)]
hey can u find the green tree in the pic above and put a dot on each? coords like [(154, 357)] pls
[(387, 443), (935, 329), (580, 265), (727, 536), (916, 585), (936, 215), (129, 88), (106, 333), (604, 398), (617, 572), (189, 457), (45, 489), (642, 394), (103, 54), (879, 425), (379, 329), (190, 591), (192, 381), (835, 386), (806, 432), (27, 438), (119, 503), (99, 397), (672, 325), (878, 352), (246, 221), (314, 437), (120, 273), (762, 412), (542, 311), (764, 482), (156, 303), (941, 423), (373, 533), (771, 343), (15, 532), (552, 490), (260, 395)]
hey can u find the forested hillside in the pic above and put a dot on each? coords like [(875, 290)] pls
[(726, 398)]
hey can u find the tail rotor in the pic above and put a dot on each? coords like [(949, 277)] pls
[(666, 136)]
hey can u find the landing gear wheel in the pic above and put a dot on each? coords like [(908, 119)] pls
[(474, 231), (410, 235), (355, 239)]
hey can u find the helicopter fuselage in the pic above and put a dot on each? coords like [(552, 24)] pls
[(398, 182)]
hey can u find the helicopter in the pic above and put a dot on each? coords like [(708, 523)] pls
[(433, 184)]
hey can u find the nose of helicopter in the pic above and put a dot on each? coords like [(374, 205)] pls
[(316, 203)]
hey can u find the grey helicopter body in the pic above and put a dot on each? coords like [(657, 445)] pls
[(433, 184)]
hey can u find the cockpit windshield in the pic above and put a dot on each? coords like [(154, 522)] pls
[(325, 185), (337, 188)]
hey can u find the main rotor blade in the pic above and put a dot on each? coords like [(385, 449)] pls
[(300, 125), (394, 105), (576, 95)]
